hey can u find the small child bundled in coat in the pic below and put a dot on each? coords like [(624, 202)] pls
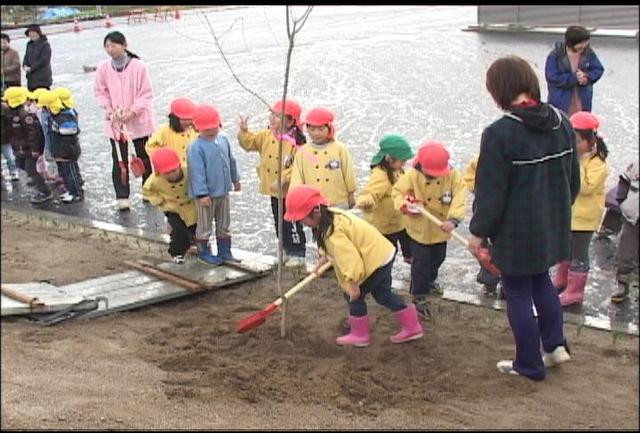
[(65, 146), (432, 183), (627, 253), (325, 162), (362, 258), (375, 199), (179, 132), (266, 143), (27, 138), (168, 189), (212, 174)]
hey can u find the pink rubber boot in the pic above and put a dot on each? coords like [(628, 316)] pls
[(411, 327), (574, 292), (560, 277), (359, 334)]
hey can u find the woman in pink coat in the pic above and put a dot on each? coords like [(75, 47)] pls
[(123, 89)]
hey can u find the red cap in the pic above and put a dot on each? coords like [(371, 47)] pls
[(319, 117), (206, 117), (183, 108), (165, 160), (291, 108), (434, 159), (301, 200), (584, 120)]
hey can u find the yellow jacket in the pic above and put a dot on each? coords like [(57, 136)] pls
[(328, 167), (355, 248), (587, 210), (167, 137), (431, 192), (171, 197), (470, 174), (266, 144), (377, 194)]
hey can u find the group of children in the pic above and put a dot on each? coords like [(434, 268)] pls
[(194, 170), (42, 126)]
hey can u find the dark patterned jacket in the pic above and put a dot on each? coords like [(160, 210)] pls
[(26, 133), (65, 130), (527, 179)]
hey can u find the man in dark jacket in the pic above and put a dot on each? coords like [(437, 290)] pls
[(37, 59), (526, 182), (571, 70)]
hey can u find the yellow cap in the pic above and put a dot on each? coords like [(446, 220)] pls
[(50, 100), (65, 96), (15, 96)]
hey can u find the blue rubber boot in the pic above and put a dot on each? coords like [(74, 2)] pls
[(204, 254), (224, 249)]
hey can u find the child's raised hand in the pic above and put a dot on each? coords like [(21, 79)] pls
[(243, 123)]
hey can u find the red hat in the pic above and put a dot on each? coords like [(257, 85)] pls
[(183, 108), (319, 117), (434, 159), (291, 108), (165, 160), (584, 120), (206, 117), (301, 200)]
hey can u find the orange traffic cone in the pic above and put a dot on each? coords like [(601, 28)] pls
[(76, 25), (177, 13), (108, 21)]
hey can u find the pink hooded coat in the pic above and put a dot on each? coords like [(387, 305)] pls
[(129, 89)]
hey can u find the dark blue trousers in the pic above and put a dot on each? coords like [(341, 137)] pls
[(379, 285), (427, 260), (294, 241), (527, 330)]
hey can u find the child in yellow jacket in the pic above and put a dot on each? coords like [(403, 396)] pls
[(167, 188), (440, 189), (362, 258), (266, 143), (484, 277), (375, 199), (325, 162), (178, 133), (587, 210)]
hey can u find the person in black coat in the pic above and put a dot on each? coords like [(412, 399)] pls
[(37, 59), (527, 180)]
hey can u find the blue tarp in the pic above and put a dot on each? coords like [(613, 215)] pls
[(61, 12)]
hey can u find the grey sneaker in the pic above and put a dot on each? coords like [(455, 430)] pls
[(558, 356), (41, 197), (506, 366), (179, 260), (123, 204)]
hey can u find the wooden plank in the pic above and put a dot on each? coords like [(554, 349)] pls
[(53, 297), (181, 281)]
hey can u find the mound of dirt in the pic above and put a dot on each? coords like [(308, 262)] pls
[(180, 364)]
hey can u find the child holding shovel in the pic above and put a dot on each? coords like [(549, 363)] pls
[(433, 184), (168, 189), (212, 174), (484, 277), (362, 258), (375, 199), (266, 143)]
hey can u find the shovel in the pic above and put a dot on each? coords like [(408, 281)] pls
[(124, 174), (483, 254), (137, 165), (259, 318)]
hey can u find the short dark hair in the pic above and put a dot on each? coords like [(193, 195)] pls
[(5, 36), (576, 34), (510, 76)]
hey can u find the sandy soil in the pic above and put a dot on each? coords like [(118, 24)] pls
[(180, 364)]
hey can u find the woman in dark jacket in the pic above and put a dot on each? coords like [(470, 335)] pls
[(526, 182), (37, 59)]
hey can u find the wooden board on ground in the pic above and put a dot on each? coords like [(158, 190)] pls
[(54, 298)]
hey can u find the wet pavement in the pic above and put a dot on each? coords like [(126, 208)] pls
[(383, 69)]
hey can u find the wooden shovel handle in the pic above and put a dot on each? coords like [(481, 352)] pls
[(435, 220), (292, 291), (32, 301)]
